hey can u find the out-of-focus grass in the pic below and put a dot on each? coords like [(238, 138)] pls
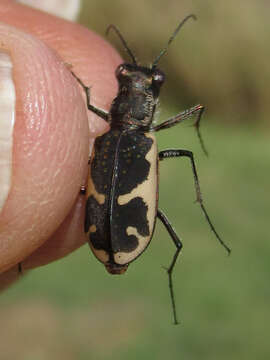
[(73, 309), (221, 60)]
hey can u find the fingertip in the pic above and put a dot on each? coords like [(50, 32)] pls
[(67, 238), (50, 148)]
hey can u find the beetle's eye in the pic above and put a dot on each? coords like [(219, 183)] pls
[(121, 71), (159, 77)]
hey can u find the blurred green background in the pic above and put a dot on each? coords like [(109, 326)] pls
[(73, 309)]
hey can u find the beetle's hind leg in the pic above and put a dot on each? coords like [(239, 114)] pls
[(178, 245), (165, 154), (101, 113), (83, 188)]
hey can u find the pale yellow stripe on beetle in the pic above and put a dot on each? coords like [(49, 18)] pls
[(91, 190), (147, 190), (101, 255), (100, 198), (122, 258), (92, 229)]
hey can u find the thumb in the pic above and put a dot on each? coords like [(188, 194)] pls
[(50, 145)]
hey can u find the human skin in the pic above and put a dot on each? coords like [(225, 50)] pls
[(42, 219)]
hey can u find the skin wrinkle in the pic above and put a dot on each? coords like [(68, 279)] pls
[(65, 152), (7, 233)]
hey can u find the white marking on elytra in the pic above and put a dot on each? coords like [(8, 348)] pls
[(93, 228), (91, 190), (122, 258), (101, 255), (146, 190)]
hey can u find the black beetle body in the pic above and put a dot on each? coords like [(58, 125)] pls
[(122, 190)]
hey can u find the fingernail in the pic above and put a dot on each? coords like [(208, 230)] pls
[(7, 120), (68, 9)]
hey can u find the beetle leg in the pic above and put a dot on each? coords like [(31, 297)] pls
[(178, 244), (83, 187), (177, 153), (83, 190), (20, 268), (198, 109), (101, 113)]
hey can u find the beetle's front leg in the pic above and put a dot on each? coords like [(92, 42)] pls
[(101, 113), (165, 154), (198, 109)]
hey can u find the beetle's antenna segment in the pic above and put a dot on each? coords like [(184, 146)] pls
[(164, 51), (115, 28)]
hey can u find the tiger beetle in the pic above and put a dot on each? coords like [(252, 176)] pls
[(122, 190)]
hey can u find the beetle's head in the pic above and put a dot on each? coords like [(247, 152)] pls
[(141, 79), (139, 86), (139, 75)]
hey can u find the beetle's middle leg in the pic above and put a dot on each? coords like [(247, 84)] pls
[(196, 110), (165, 154), (101, 113), (83, 190), (83, 187), (178, 244)]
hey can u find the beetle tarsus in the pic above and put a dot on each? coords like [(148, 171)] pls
[(187, 114), (197, 128), (179, 245), (103, 114), (83, 190)]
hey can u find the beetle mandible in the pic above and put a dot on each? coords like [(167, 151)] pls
[(122, 191)]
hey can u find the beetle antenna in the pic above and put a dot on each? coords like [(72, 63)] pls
[(115, 28), (165, 50)]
